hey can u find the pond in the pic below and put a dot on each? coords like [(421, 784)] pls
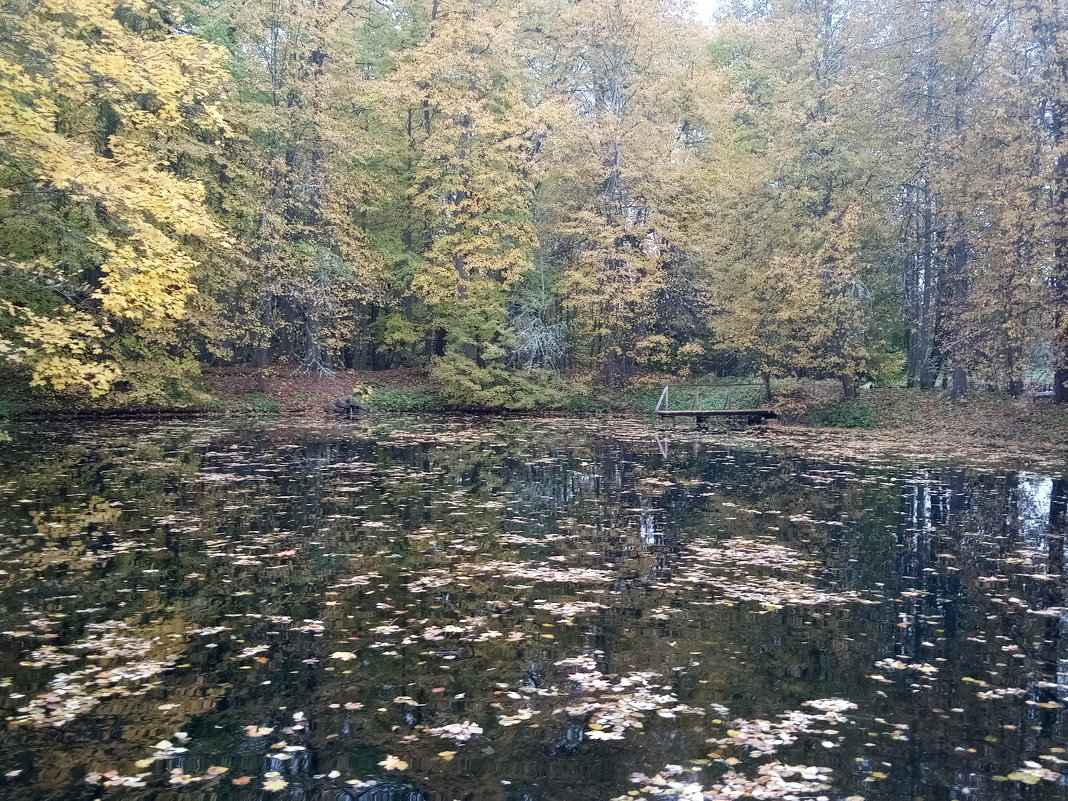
[(550, 610)]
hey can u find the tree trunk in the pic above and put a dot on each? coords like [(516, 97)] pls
[(930, 368), (849, 386), (1060, 382), (959, 387), (1051, 33), (1012, 365), (927, 294)]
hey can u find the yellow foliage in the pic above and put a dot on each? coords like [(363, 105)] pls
[(60, 61), (61, 352)]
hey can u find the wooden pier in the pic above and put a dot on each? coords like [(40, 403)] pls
[(700, 415)]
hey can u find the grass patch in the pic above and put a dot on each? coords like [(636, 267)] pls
[(640, 399), (632, 399), (252, 404), (846, 414), (588, 403)]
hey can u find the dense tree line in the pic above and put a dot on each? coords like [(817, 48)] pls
[(507, 191)]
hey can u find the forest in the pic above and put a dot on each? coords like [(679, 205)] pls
[(520, 196)]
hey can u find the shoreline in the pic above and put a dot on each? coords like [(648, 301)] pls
[(807, 409)]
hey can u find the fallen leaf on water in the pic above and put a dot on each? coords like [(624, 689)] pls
[(393, 763)]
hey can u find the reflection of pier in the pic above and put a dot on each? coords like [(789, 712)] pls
[(701, 415)]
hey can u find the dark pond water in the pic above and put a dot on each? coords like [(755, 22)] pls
[(521, 610)]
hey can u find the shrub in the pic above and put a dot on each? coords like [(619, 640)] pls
[(253, 403), (408, 400), (588, 403), (465, 384)]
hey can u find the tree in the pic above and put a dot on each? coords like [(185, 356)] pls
[(617, 165), (800, 226), (471, 135), (305, 116), (93, 225), (1048, 28)]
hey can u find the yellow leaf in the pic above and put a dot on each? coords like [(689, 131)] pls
[(393, 763)]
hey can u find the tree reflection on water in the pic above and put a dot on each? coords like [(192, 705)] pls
[(474, 609)]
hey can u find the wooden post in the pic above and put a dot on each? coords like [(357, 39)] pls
[(661, 404)]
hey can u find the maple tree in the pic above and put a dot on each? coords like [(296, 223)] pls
[(94, 224)]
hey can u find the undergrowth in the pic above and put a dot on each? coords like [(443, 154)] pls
[(416, 400), (253, 404), (845, 414)]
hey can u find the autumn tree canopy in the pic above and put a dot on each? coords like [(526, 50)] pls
[(508, 192)]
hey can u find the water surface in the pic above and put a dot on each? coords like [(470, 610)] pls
[(532, 610)]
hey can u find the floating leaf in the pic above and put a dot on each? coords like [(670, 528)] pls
[(393, 763)]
